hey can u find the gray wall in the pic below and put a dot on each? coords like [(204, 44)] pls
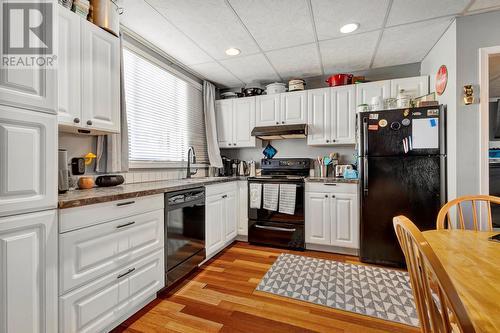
[(473, 32), (445, 53)]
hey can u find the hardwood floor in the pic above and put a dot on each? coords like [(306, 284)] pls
[(221, 297)]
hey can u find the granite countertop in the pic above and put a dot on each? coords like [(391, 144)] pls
[(76, 198), (331, 180)]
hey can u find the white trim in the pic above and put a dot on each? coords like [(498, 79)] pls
[(484, 54), (129, 46)]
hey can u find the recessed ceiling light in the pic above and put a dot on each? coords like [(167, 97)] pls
[(348, 28), (233, 51)]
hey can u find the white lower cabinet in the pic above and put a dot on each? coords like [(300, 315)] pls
[(105, 302), (112, 263), (28, 272), (242, 208), (221, 216), (332, 215)]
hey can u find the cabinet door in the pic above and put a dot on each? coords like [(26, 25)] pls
[(224, 120), (268, 110), (243, 122), (28, 161), (69, 69), (91, 252), (294, 107), (101, 79), (414, 86), (243, 208), (319, 116), (214, 222), (345, 220), (344, 115), (317, 219), (365, 91), (231, 216), (28, 87), (28, 278)]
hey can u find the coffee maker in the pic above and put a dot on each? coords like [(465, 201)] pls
[(226, 169)]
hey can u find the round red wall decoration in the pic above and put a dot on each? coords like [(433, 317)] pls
[(441, 79)]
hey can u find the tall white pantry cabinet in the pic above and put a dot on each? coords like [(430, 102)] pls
[(28, 199)]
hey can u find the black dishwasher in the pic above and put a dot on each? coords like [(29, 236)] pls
[(184, 232)]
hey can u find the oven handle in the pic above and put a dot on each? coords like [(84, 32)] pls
[(275, 228)]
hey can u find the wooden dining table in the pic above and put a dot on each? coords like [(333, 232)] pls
[(473, 264)]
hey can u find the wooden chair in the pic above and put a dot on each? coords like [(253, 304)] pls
[(439, 307), (444, 220)]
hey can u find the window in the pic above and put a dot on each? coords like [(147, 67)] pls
[(164, 113)]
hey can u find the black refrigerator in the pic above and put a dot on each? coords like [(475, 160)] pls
[(402, 166)]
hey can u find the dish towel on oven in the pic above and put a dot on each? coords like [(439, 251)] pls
[(271, 194), (255, 195), (287, 198)]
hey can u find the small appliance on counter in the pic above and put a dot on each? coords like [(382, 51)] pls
[(109, 180), (63, 177), (341, 168), (77, 166)]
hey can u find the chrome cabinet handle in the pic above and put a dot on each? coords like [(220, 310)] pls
[(89, 122), (125, 203), (275, 228), (126, 273), (125, 225), (76, 120)]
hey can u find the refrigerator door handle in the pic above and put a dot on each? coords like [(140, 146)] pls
[(365, 176), (365, 136)]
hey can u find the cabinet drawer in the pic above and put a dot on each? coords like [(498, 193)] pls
[(97, 306), (223, 188), (79, 217), (332, 187), (91, 252)]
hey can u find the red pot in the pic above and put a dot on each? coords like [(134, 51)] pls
[(339, 80)]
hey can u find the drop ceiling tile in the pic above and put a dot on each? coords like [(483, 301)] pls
[(330, 16), (210, 23), (407, 11), (276, 24), (214, 72), (251, 68), (480, 5), (298, 61), (160, 33), (409, 43), (350, 53)]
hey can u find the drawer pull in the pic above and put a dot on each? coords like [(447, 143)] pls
[(330, 184), (275, 228), (125, 225), (126, 273), (125, 203)]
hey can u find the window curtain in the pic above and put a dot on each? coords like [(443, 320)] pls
[(112, 150), (210, 124)]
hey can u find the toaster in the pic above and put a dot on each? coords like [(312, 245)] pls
[(340, 168)]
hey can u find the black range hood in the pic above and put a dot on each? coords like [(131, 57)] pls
[(297, 131)]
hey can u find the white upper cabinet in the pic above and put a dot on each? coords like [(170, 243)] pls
[(101, 78), (268, 110), (235, 120), (89, 76), (365, 91), (332, 116), (28, 161), (319, 116), (294, 107), (414, 86), (29, 88), (69, 68), (344, 115), (28, 266), (244, 122)]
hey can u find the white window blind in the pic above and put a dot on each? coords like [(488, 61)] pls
[(164, 113)]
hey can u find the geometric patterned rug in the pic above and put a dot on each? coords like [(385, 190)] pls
[(372, 291)]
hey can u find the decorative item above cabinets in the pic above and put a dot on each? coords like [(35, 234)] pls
[(281, 109), (235, 120), (88, 76)]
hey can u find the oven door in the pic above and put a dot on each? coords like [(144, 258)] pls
[(262, 214), (278, 234)]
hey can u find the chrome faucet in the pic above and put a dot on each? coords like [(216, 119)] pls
[(191, 153)]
